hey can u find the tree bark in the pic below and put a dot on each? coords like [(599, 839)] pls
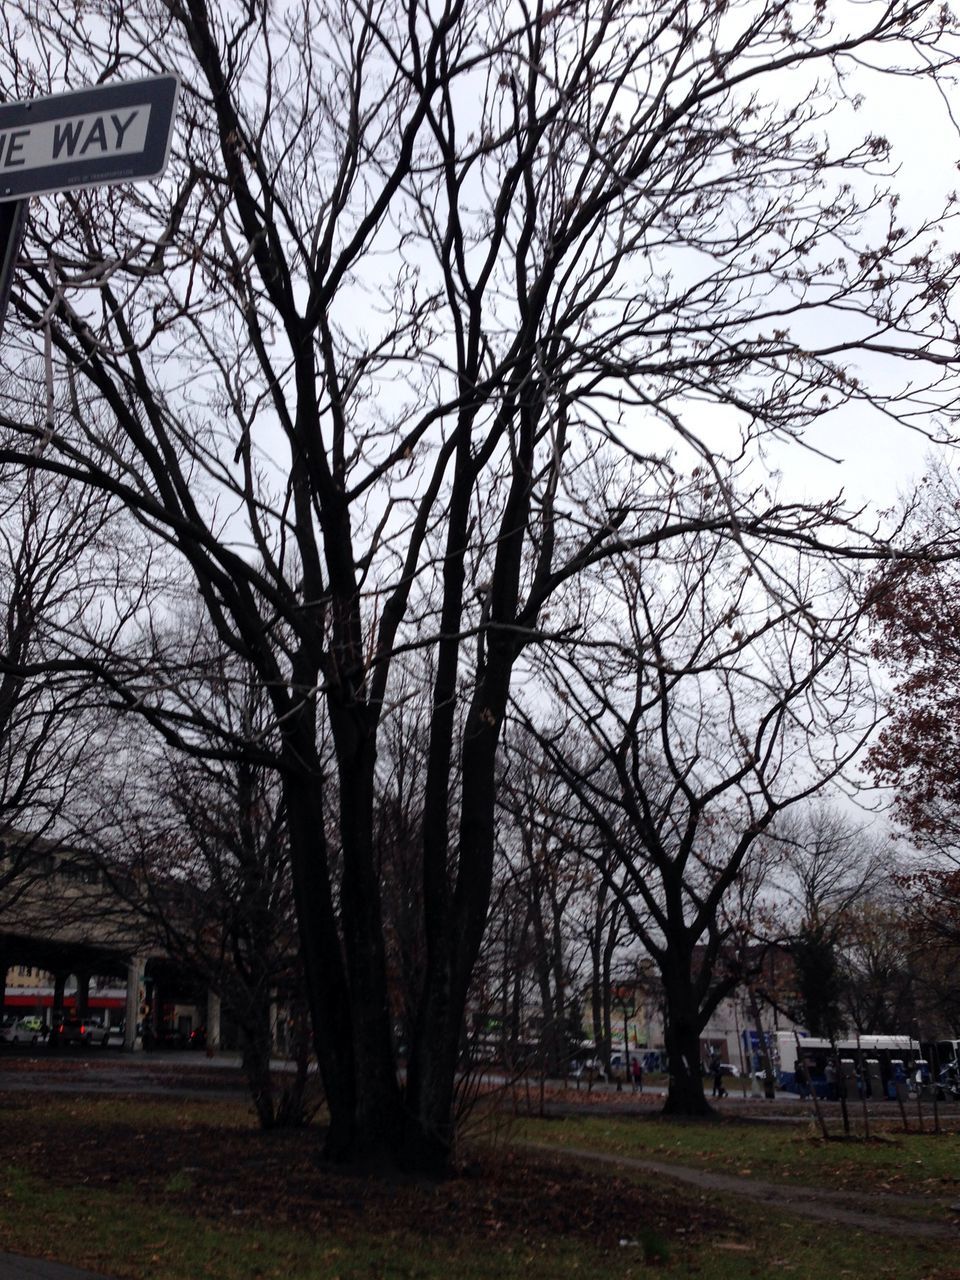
[(685, 1095)]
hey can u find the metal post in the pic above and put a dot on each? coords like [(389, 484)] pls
[(626, 1046), (863, 1088), (813, 1090), (935, 1082), (13, 221)]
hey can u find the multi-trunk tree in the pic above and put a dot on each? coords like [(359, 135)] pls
[(371, 358)]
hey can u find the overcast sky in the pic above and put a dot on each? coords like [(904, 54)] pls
[(880, 461)]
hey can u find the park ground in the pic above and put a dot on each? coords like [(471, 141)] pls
[(161, 1173)]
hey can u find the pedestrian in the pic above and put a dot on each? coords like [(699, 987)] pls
[(637, 1073), (802, 1079), (898, 1085), (716, 1067), (831, 1077)]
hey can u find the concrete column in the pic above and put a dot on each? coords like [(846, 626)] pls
[(59, 985), (83, 994), (213, 1020), (154, 996), (132, 1012)]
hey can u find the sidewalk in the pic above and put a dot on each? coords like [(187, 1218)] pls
[(13, 1267)]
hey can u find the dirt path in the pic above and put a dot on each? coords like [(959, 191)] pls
[(841, 1208)]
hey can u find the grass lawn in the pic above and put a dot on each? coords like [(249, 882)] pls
[(893, 1161), (176, 1190)]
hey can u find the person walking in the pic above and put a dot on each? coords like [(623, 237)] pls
[(637, 1072), (830, 1073), (802, 1079), (716, 1066)]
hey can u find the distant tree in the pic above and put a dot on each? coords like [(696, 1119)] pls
[(934, 961), (703, 708), (916, 619), (881, 991), (826, 863), (826, 867), (542, 852), (819, 983), (58, 565), (604, 927), (197, 846)]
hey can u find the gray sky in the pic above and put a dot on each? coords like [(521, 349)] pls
[(879, 461)]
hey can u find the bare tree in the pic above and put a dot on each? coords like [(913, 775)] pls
[(58, 564), (881, 993), (604, 927), (705, 709), (195, 846), (566, 875), (399, 814), (827, 862), (828, 866), (543, 859), (410, 269)]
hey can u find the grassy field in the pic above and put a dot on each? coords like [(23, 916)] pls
[(914, 1163), (119, 1234), (175, 1190)]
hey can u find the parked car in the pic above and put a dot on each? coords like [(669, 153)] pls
[(21, 1030), (726, 1068), (33, 1028), (9, 1027), (164, 1037), (587, 1069), (82, 1031)]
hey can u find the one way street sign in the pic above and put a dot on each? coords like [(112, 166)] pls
[(113, 133)]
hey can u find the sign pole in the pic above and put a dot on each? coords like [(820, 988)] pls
[(13, 221)]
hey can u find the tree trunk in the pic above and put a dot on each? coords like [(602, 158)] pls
[(769, 1090), (431, 1074), (606, 1002), (255, 1044), (379, 1124), (453, 942), (323, 966), (346, 984), (685, 1096), (596, 1010)]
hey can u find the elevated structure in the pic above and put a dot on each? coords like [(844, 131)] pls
[(61, 912)]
